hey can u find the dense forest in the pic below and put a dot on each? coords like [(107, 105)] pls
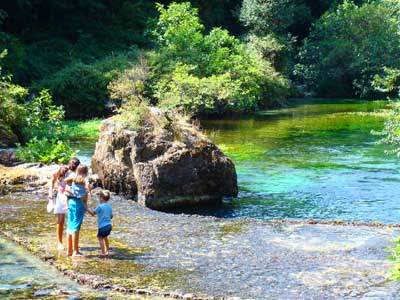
[(200, 57)]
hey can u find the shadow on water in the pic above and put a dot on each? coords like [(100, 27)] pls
[(224, 209)]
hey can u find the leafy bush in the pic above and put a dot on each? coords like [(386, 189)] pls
[(213, 73), (11, 111), (45, 132), (82, 88), (389, 82), (46, 150), (128, 91), (348, 46)]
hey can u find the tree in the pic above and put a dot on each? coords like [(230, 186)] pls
[(207, 73), (348, 46)]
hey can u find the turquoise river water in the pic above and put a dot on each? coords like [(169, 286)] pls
[(314, 159)]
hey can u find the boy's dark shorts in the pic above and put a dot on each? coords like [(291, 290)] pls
[(104, 231)]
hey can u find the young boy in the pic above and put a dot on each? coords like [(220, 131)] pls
[(104, 216)]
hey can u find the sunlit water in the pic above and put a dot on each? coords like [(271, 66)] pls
[(25, 277), (314, 159)]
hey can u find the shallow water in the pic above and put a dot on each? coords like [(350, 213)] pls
[(314, 159), (25, 277), (246, 258)]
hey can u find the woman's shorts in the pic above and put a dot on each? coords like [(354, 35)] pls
[(104, 231)]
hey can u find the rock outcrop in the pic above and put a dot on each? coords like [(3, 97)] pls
[(162, 164)]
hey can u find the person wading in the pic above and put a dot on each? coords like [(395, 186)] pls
[(58, 182)]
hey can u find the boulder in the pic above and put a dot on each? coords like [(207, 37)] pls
[(164, 163)]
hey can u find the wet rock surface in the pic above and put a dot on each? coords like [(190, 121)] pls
[(184, 256), (163, 164)]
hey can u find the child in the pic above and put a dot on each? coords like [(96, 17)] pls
[(104, 216), (60, 204), (78, 195)]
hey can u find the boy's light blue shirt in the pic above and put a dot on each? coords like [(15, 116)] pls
[(104, 214)]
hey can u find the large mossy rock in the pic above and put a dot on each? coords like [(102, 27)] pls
[(164, 163)]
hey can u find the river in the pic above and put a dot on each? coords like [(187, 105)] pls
[(313, 159)]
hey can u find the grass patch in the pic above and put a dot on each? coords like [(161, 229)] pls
[(83, 129)]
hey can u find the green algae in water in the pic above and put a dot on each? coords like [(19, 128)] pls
[(314, 159)]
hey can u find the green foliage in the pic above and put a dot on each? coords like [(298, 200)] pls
[(129, 87), (82, 88), (273, 28), (45, 150), (207, 95), (82, 129), (53, 34), (128, 91), (11, 111), (44, 132), (389, 83), (43, 119), (265, 17), (348, 46), (213, 73)]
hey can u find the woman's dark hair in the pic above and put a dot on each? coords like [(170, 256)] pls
[(74, 163)]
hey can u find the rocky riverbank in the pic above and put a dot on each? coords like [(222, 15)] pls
[(189, 257)]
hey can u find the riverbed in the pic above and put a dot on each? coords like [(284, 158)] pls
[(212, 258)]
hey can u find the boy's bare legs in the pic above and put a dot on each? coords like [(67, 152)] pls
[(69, 244), (106, 246), (60, 229), (102, 245)]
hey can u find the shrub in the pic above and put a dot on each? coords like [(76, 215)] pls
[(128, 91), (45, 132), (46, 150), (82, 88), (11, 95)]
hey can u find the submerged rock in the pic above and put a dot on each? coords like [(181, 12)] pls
[(164, 163)]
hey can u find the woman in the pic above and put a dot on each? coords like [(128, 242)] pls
[(60, 208), (78, 195)]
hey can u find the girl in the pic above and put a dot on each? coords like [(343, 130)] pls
[(58, 180), (78, 195)]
